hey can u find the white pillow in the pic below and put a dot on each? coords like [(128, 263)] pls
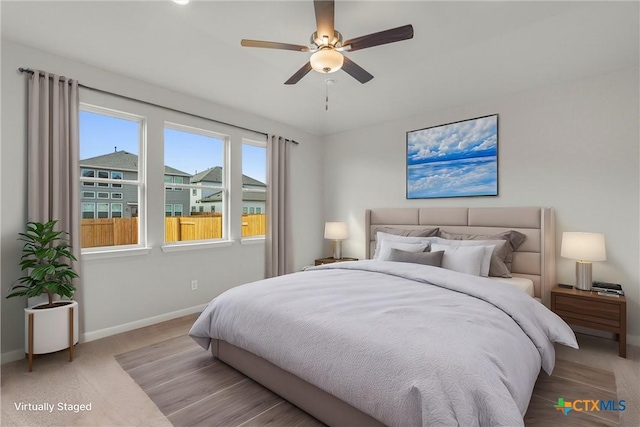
[(486, 260), (464, 259), (387, 245), (380, 236)]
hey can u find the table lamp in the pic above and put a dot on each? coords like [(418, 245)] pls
[(336, 231), (584, 247)]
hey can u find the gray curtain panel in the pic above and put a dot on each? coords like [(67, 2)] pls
[(53, 152), (278, 238)]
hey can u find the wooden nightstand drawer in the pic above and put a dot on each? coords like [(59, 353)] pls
[(583, 319), (593, 308)]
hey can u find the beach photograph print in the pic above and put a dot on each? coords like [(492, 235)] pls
[(453, 160)]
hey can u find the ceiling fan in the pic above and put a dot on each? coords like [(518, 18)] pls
[(327, 45)]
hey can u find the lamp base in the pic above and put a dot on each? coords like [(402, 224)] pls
[(337, 249), (583, 275)]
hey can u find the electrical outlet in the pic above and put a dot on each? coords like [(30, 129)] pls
[(194, 285)]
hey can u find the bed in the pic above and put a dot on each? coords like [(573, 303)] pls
[(388, 343)]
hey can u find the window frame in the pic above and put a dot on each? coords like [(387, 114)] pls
[(261, 144), (224, 187), (139, 182)]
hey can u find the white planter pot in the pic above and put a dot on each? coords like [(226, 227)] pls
[(50, 328)]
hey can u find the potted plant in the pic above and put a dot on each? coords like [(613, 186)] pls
[(50, 326)]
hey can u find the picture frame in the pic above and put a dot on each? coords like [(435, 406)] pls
[(458, 159)]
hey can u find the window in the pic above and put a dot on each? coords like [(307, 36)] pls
[(116, 175), (168, 180), (178, 180), (87, 173), (100, 129), (88, 194), (254, 187), (203, 153), (116, 210), (103, 210), (88, 210), (103, 175), (168, 210)]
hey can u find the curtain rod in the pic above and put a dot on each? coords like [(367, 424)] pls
[(30, 71)]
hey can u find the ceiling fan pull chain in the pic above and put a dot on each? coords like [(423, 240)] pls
[(328, 82)]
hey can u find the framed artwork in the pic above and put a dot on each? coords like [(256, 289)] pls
[(453, 160)]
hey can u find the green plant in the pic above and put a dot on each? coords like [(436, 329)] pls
[(44, 257)]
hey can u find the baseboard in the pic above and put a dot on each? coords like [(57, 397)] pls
[(107, 332), (14, 355)]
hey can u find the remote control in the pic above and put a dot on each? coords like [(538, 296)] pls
[(562, 285)]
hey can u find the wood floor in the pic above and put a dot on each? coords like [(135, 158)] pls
[(193, 389)]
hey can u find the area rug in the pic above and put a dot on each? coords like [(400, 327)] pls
[(193, 389)]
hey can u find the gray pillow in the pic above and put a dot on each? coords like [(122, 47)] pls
[(426, 258), (502, 254), (414, 232)]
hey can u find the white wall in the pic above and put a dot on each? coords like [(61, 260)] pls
[(119, 293), (574, 147)]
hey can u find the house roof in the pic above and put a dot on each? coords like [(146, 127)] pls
[(214, 174), (123, 160), (247, 196)]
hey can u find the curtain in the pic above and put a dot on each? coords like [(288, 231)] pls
[(53, 154), (278, 238)]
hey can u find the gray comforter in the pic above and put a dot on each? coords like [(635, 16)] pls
[(407, 344)]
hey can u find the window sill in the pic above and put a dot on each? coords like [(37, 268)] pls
[(114, 253), (253, 240), (181, 247)]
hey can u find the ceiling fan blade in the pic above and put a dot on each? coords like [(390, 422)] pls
[(356, 71), (299, 74), (383, 37), (274, 45), (324, 17)]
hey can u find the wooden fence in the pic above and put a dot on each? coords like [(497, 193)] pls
[(124, 231)]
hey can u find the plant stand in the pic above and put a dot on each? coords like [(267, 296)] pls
[(48, 327)]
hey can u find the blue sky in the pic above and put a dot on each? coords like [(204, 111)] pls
[(184, 151), (459, 159)]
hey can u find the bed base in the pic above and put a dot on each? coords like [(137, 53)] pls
[(316, 402)]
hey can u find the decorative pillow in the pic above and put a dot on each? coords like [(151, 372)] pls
[(505, 243), (489, 245), (386, 246), (380, 237), (464, 259), (515, 239), (426, 258), (416, 232)]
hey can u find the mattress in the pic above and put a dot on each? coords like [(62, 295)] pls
[(525, 285)]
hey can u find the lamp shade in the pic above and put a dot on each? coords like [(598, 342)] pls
[(583, 246), (326, 61), (336, 230)]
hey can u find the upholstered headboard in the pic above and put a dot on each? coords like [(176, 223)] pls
[(534, 259)]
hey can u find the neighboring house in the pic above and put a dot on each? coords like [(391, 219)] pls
[(104, 200), (254, 196)]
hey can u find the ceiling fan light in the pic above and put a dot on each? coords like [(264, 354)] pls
[(326, 61)]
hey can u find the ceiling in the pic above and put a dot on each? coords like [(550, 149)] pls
[(461, 53)]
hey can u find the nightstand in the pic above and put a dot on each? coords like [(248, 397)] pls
[(330, 260), (588, 309)]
